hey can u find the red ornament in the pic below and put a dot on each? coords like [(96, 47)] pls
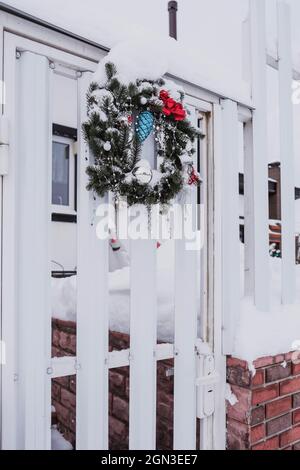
[(172, 107), (194, 178), (130, 119)]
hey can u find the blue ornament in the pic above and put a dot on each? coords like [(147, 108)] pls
[(144, 125)]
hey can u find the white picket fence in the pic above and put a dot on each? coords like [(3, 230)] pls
[(26, 319)]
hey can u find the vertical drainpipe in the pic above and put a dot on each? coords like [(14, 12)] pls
[(172, 8)]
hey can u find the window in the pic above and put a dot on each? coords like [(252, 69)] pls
[(63, 179), (60, 173)]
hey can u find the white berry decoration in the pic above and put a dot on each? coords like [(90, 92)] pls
[(143, 100), (107, 146)]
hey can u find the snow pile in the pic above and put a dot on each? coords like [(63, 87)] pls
[(64, 296), (58, 442), (260, 334), (230, 396), (257, 333), (156, 56)]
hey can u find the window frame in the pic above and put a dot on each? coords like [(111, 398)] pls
[(66, 213)]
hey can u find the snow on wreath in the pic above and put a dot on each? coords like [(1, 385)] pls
[(120, 118)]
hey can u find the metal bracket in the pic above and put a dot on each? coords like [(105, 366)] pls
[(4, 145), (207, 378)]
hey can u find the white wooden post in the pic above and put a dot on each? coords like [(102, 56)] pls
[(184, 343), (33, 167), (230, 224), (260, 151), (143, 334), (285, 75), (92, 307)]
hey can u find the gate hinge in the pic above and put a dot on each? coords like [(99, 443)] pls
[(4, 145), (206, 381)]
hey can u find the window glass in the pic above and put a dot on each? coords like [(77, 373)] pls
[(60, 173)]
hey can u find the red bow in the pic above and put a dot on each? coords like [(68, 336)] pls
[(172, 107), (194, 178)]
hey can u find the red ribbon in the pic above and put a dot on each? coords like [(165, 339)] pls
[(172, 107)]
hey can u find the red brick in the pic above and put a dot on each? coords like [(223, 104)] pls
[(279, 358), (120, 409), (278, 407), (257, 433), (63, 381), (263, 362), (265, 394), (296, 369), (258, 415), (55, 391), (72, 425), (238, 376), (290, 386), (237, 435), (280, 424), (290, 436), (270, 444), (296, 400), (55, 338), (55, 352), (118, 431), (242, 409), (67, 342), (68, 399), (259, 378), (116, 382), (164, 411), (64, 325), (62, 413), (296, 417), (288, 356), (73, 384), (278, 372), (233, 362)]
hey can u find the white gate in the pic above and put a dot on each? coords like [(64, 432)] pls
[(26, 414)]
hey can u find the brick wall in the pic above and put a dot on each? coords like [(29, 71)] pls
[(64, 392), (267, 414)]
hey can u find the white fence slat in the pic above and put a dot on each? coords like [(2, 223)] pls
[(63, 366), (92, 308), (260, 152), (9, 268), (285, 75), (219, 416), (143, 334), (184, 345), (249, 209), (230, 224), (34, 269)]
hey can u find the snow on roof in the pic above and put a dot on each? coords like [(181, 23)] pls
[(193, 59)]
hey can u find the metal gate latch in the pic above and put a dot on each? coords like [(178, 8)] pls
[(4, 146), (206, 381)]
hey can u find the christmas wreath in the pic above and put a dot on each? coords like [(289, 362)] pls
[(120, 118)]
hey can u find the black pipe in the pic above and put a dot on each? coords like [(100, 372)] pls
[(172, 9)]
